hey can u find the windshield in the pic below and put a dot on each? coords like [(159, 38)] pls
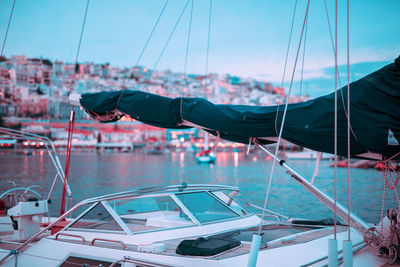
[(205, 207), (149, 213)]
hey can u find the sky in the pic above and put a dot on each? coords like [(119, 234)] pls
[(247, 38)]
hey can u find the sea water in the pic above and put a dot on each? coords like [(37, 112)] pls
[(95, 173)]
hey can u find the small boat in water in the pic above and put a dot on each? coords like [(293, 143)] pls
[(206, 158), (205, 155)]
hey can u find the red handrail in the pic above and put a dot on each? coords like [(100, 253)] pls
[(109, 240), (78, 236)]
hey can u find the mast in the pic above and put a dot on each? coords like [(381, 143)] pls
[(206, 146)]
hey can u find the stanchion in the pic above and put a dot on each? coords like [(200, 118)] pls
[(332, 253), (347, 253), (255, 247)]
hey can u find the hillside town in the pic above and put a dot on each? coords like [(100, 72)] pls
[(34, 98)]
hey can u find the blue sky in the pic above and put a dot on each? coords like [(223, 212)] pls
[(247, 38)]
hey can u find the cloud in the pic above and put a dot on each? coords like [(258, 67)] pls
[(317, 65)]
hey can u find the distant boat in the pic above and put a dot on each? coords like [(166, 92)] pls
[(8, 143), (154, 149), (205, 156), (306, 154)]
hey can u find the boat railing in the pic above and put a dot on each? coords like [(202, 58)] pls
[(144, 263), (109, 240), (70, 235), (14, 198), (270, 212), (29, 188), (49, 145), (269, 215)]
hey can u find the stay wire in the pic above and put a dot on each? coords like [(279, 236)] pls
[(348, 119), (188, 41), (208, 38), (8, 27), (283, 118), (170, 35), (82, 29), (151, 34), (335, 130), (338, 75), (80, 42), (286, 59), (304, 53)]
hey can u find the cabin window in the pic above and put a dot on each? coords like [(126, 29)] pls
[(205, 207), (234, 205)]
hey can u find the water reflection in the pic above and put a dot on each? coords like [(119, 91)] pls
[(93, 174), (235, 159), (182, 159)]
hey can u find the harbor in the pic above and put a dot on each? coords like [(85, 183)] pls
[(186, 133), (98, 173)]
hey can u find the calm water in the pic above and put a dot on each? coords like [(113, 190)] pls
[(93, 174)]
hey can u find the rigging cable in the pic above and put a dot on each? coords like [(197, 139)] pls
[(348, 120), (186, 58), (304, 53), (283, 119), (286, 59), (170, 35), (335, 130), (188, 41), (208, 38), (71, 120), (206, 72), (8, 26), (338, 76), (151, 34)]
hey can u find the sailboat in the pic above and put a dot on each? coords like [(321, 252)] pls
[(205, 155), (202, 225), (199, 225)]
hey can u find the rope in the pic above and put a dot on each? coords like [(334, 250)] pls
[(383, 205), (283, 119), (286, 59), (119, 98), (387, 172), (151, 34), (170, 35), (392, 157), (8, 26)]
